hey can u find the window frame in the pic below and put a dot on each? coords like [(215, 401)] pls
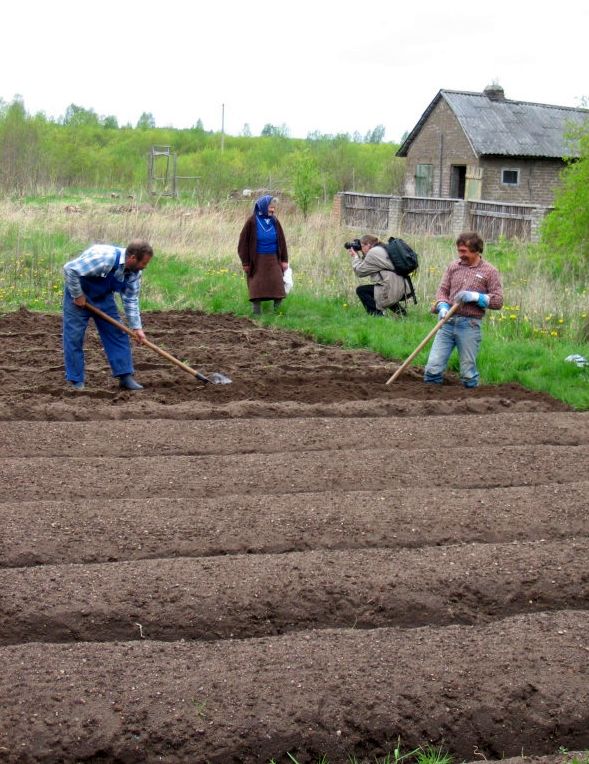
[(516, 170)]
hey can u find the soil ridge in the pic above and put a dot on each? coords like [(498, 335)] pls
[(120, 700)]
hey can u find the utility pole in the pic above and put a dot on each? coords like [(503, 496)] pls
[(222, 127)]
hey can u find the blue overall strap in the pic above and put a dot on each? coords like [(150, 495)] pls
[(97, 287)]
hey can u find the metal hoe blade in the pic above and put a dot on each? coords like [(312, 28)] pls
[(218, 379)]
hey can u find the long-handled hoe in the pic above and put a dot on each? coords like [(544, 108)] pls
[(216, 378), (423, 343)]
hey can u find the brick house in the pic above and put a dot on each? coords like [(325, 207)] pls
[(485, 146)]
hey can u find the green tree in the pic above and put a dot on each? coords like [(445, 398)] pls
[(566, 230), (376, 135), (146, 121), (270, 130), (20, 161), (77, 116), (83, 149), (110, 122), (306, 180)]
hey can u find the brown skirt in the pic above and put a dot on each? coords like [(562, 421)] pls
[(267, 283)]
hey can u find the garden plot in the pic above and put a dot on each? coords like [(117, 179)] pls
[(306, 560)]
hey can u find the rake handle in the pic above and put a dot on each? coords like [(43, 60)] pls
[(423, 343), (160, 351)]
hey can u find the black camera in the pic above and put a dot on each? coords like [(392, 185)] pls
[(355, 245)]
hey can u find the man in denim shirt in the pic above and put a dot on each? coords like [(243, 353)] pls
[(476, 285), (95, 276)]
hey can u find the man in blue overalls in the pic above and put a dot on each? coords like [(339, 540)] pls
[(95, 276)]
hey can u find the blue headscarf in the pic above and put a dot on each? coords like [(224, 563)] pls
[(262, 205)]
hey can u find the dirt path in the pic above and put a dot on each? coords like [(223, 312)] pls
[(306, 560)]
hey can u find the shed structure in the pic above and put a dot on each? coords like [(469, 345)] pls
[(484, 146)]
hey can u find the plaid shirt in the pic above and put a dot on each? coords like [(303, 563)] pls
[(99, 260), (482, 278)]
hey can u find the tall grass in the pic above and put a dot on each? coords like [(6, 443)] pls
[(196, 266)]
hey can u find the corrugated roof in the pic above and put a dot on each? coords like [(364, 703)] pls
[(508, 128)]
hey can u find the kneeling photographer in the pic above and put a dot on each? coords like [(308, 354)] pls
[(388, 289)]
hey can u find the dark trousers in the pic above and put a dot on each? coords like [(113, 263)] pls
[(366, 294)]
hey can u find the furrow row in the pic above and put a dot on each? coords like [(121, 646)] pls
[(467, 688), (99, 530), (141, 438), (215, 475), (254, 596)]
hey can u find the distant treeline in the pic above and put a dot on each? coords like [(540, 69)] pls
[(85, 150)]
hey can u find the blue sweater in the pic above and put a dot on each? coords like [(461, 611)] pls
[(266, 236)]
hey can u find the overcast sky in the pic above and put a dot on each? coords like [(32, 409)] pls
[(333, 66)]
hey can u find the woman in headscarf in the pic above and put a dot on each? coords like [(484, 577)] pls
[(263, 254)]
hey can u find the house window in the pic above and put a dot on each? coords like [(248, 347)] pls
[(510, 177), (424, 179)]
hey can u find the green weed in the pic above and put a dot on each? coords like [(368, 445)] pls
[(583, 759), (427, 755), (200, 708)]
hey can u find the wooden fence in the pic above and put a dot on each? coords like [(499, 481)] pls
[(510, 221), (426, 215), (438, 217), (370, 212)]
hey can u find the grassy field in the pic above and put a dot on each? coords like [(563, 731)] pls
[(544, 320)]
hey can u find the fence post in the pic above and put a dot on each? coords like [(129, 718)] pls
[(537, 215), (460, 217), (395, 215), (337, 208)]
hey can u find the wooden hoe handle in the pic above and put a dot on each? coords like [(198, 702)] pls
[(423, 343), (160, 351)]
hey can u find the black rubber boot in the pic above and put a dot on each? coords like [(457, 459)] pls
[(277, 304), (127, 382), (398, 310), (257, 307)]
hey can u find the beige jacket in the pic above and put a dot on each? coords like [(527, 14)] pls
[(389, 287)]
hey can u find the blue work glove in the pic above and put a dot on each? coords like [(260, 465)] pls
[(443, 308), (482, 300)]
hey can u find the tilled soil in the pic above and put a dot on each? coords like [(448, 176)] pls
[(274, 373), (304, 561)]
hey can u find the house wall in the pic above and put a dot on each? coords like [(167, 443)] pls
[(441, 142), (538, 180)]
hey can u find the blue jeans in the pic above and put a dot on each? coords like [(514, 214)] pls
[(115, 342), (464, 334)]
